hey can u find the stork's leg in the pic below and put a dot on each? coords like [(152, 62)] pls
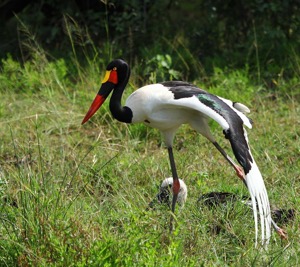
[(238, 169), (201, 126), (240, 174), (176, 184), (280, 231)]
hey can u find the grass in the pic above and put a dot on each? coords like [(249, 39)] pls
[(75, 195)]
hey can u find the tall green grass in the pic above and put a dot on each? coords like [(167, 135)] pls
[(75, 195)]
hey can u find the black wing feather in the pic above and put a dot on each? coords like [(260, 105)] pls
[(235, 133)]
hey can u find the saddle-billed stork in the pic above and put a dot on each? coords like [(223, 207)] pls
[(168, 105)]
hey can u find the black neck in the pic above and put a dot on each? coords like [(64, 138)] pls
[(122, 114)]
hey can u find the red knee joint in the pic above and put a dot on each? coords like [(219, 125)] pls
[(176, 187)]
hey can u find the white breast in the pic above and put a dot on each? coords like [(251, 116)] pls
[(150, 104)]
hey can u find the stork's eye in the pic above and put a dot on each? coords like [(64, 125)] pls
[(114, 68)]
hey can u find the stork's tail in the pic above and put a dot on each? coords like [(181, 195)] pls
[(260, 200)]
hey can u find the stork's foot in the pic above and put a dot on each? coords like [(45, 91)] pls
[(239, 172), (282, 233)]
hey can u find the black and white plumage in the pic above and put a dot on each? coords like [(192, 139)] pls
[(166, 106), (165, 192)]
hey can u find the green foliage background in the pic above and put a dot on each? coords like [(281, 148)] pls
[(262, 35)]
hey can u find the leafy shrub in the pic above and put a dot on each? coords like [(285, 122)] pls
[(35, 75)]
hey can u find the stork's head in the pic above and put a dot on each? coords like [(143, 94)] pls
[(116, 77)]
